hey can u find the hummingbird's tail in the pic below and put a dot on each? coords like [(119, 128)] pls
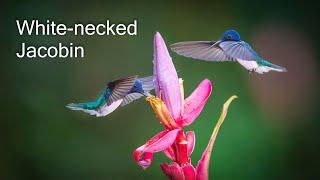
[(273, 67), (81, 107), (75, 106), (99, 112)]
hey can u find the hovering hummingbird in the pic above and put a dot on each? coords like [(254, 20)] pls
[(119, 92), (229, 48)]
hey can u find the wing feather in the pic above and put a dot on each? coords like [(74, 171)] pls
[(130, 97), (120, 88), (238, 50), (203, 50), (147, 83)]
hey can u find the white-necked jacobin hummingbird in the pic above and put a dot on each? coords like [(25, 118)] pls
[(118, 92), (229, 48)]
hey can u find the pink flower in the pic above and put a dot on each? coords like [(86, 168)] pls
[(174, 112)]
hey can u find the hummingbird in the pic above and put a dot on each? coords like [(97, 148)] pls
[(119, 92), (229, 47)]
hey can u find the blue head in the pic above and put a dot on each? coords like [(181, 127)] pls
[(231, 35)]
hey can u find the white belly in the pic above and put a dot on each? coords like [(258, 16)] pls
[(105, 109), (102, 111), (249, 65)]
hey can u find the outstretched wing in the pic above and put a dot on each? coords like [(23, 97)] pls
[(130, 97), (120, 88), (203, 50), (147, 83), (238, 50)]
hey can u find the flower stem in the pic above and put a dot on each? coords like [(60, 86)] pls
[(181, 149)]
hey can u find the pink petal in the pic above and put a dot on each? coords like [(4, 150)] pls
[(144, 154), (169, 152), (189, 172), (173, 171), (203, 164), (166, 79), (163, 142), (143, 159), (194, 104), (191, 141)]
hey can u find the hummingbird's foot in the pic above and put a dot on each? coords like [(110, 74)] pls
[(252, 70)]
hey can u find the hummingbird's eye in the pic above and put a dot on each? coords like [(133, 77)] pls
[(229, 36)]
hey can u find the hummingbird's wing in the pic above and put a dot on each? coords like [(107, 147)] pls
[(238, 50), (120, 88), (147, 83), (147, 86), (203, 50), (131, 97)]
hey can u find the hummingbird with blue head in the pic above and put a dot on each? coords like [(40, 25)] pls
[(119, 92), (229, 47)]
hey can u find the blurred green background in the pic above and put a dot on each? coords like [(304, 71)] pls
[(271, 131)]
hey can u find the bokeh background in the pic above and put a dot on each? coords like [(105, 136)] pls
[(271, 132)]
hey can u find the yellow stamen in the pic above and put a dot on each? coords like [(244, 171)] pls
[(162, 112), (181, 88)]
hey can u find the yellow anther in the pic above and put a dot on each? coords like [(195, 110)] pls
[(161, 111)]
